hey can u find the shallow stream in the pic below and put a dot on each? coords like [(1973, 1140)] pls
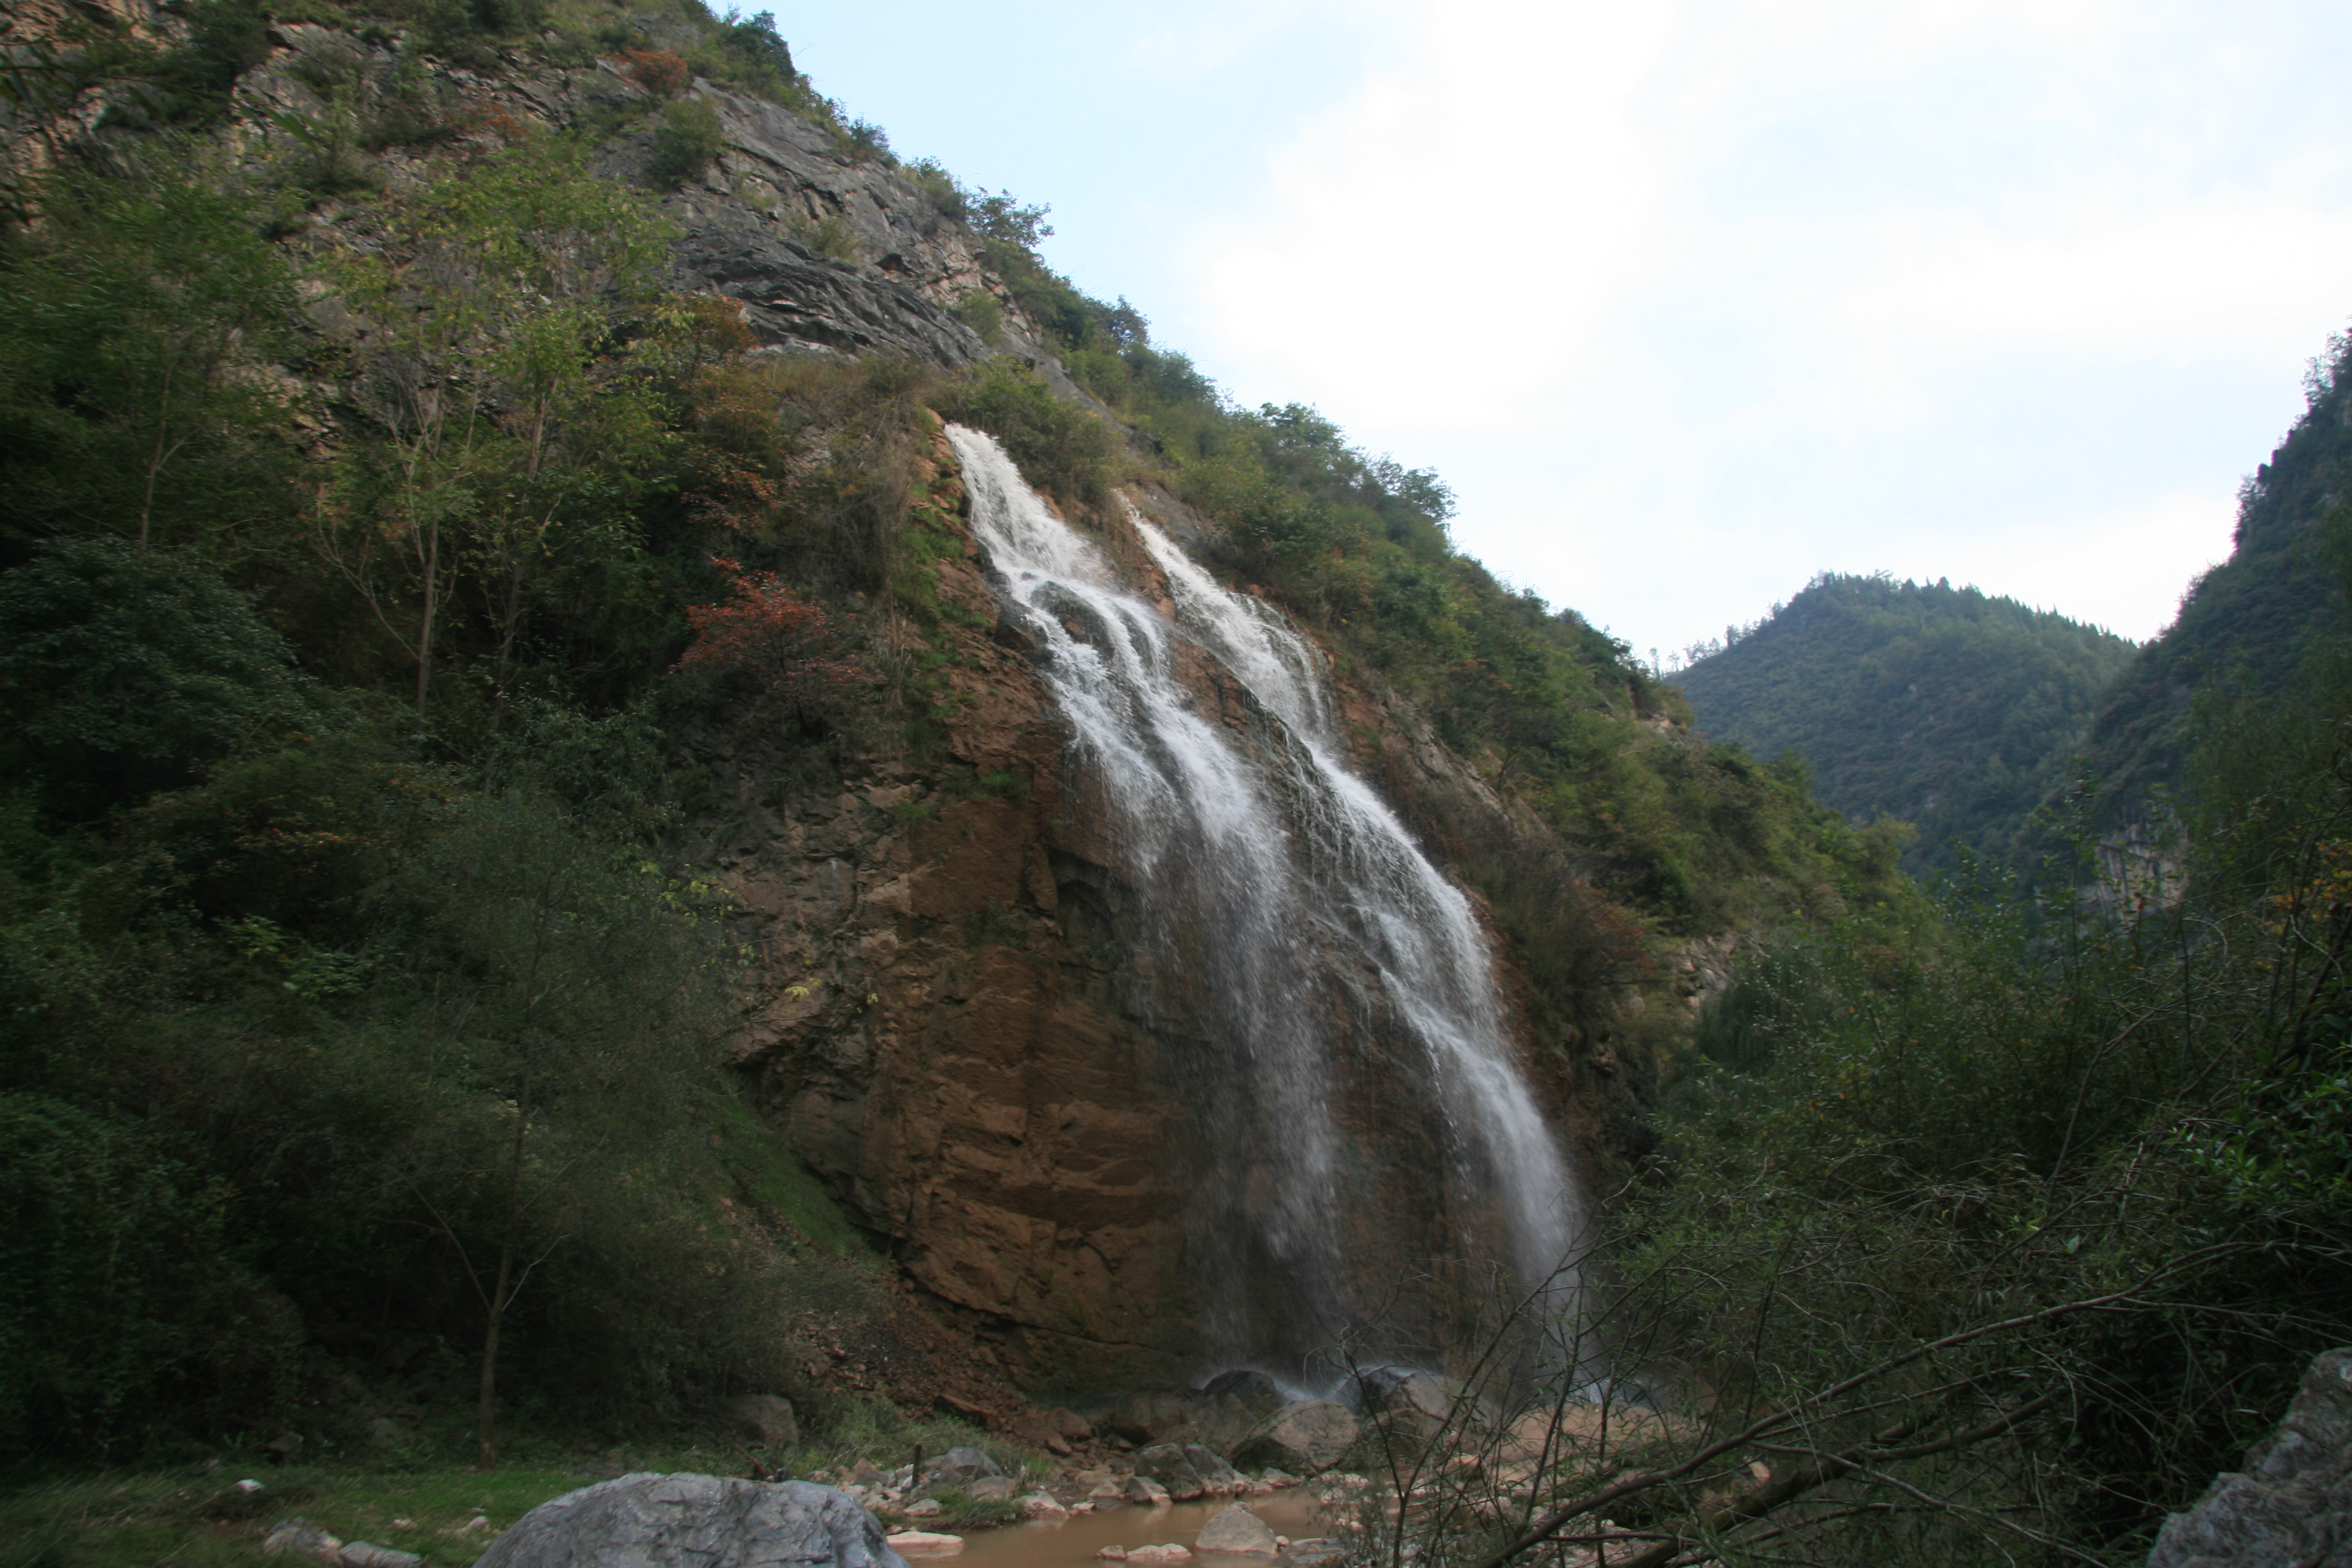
[(1072, 1543)]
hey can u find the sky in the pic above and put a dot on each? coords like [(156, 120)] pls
[(1691, 301)]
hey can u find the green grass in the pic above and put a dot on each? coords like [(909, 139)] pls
[(777, 1180), (184, 1516), (189, 1518)]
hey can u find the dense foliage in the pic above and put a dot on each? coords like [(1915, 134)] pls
[(2250, 620), (2072, 1174), (357, 1042), (1944, 706)]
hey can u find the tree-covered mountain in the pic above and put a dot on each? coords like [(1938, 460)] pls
[(1945, 706), (2250, 621)]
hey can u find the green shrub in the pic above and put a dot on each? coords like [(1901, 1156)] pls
[(1061, 447), (687, 140), (831, 234), (979, 310), (122, 670), (225, 39), (126, 1299)]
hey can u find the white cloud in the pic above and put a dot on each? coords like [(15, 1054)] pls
[(2219, 280), (1428, 245), (1690, 300)]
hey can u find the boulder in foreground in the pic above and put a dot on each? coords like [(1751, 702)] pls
[(2291, 1506), (647, 1521)]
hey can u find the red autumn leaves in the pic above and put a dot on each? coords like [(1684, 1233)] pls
[(786, 644)]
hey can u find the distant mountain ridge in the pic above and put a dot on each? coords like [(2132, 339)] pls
[(1952, 709)]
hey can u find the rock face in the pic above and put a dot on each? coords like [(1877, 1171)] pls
[(2291, 1505), (958, 1023), (961, 1022), (826, 246), (945, 1025), (962, 1026), (1305, 1439), (647, 1521)]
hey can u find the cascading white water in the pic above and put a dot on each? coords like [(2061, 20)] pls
[(1289, 903)]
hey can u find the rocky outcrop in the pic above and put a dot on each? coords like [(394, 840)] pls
[(1187, 1470), (2291, 1505), (647, 1521), (781, 183), (827, 245), (965, 1026), (948, 1030)]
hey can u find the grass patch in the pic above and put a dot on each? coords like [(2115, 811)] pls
[(192, 1517), (125, 1520), (775, 1179)]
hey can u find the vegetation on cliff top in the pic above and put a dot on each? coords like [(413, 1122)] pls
[(1951, 709)]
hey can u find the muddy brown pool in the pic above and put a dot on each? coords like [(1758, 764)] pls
[(1072, 1543)]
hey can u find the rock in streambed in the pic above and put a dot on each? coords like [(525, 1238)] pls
[(647, 1521)]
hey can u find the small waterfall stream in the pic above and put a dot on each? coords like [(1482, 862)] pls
[(1329, 975)]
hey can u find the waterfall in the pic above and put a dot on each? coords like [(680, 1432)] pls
[(1344, 1049)]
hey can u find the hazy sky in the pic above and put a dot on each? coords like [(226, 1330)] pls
[(1689, 302)]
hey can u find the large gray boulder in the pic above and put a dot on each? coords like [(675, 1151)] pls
[(1234, 1529), (1305, 1439), (647, 1521), (2291, 1505), (1409, 1392), (958, 1467), (1168, 1463), (1217, 1415)]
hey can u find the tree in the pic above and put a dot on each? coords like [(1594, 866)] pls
[(786, 645), (132, 321), (565, 999), (124, 669), (497, 303)]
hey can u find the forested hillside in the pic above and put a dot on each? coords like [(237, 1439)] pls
[(1952, 710), (2250, 622)]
